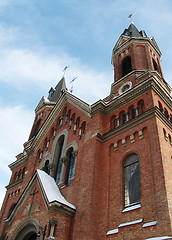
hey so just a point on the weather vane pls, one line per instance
(130, 16)
(64, 70)
(71, 89)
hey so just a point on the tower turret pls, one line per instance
(134, 56)
(135, 52)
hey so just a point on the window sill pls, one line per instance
(130, 208)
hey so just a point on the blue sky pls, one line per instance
(38, 38)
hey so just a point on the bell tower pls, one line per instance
(134, 55)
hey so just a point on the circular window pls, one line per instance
(125, 87)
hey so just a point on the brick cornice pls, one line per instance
(150, 83)
(153, 112)
(18, 163)
(81, 105)
(14, 184)
(129, 40)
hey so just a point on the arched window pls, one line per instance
(20, 174)
(166, 113)
(23, 172)
(64, 111)
(46, 167)
(131, 180)
(160, 106)
(155, 65)
(122, 116)
(132, 112)
(36, 129)
(59, 162)
(113, 122)
(126, 65)
(70, 165)
(141, 106)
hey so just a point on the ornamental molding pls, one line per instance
(129, 40)
(66, 97)
(18, 163)
(150, 83)
(153, 112)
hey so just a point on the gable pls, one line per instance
(44, 186)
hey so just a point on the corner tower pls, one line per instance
(134, 55)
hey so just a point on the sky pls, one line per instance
(38, 38)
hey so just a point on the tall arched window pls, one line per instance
(70, 165)
(131, 180)
(59, 162)
(126, 65)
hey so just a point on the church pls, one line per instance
(100, 171)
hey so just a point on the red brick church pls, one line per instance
(100, 171)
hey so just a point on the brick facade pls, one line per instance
(135, 119)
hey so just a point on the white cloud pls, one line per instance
(22, 67)
(15, 122)
(15, 125)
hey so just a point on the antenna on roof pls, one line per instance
(130, 16)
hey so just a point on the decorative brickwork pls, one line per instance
(102, 171)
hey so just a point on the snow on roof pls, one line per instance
(51, 189)
(112, 231)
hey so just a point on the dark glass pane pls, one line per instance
(123, 118)
(59, 164)
(133, 113)
(132, 180)
(71, 167)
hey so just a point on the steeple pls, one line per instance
(132, 31)
(135, 53)
(54, 94)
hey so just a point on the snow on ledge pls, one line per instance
(51, 189)
(112, 231)
(149, 224)
(46, 100)
(130, 223)
(127, 209)
(159, 238)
